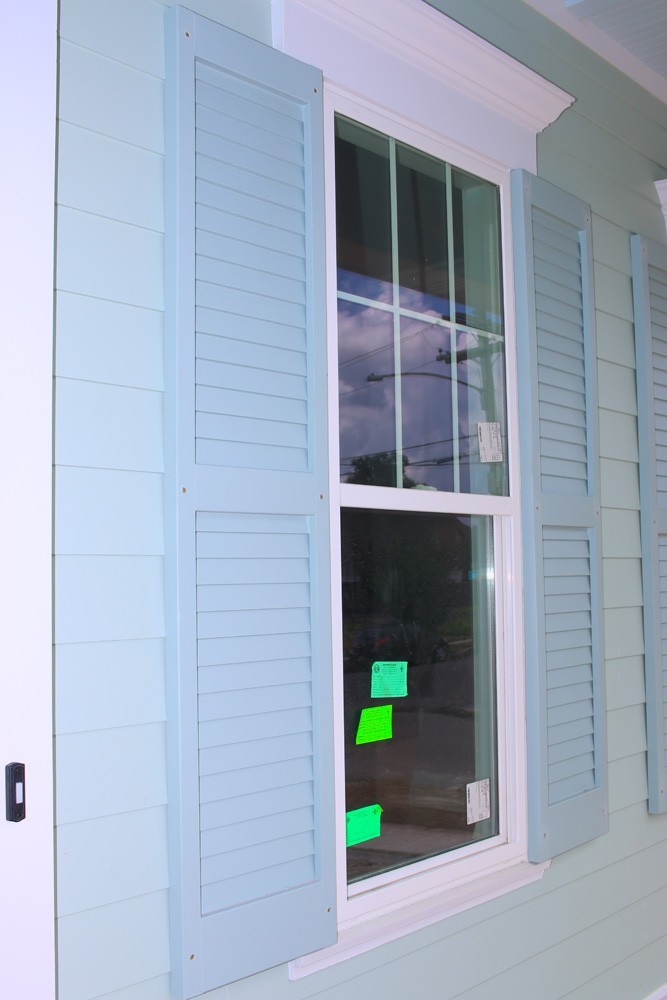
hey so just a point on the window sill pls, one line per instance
(362, 937)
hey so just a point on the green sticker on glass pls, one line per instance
(374, 724)
(389, 679)
(362, 824)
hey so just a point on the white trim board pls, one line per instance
(477, 96)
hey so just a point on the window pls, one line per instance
(421, 407)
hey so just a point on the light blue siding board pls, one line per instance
(617, 388)
(627, 731)
(124, 30)
(110, 771)
(618, 436)
(109, 597)
(108, 427)
(110, 178)
(103, 341)
(620, 534)
(109, 260)
(112, 947)
(622, 583)
(105, 96)
(108, 512)
(106, 860)
(93, 681)
(158, 988)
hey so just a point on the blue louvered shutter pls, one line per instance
(250, 742)
(567, 785)
(649, 282)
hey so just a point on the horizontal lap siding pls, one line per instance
(109, 525)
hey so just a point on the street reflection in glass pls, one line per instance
(417, 590)
(421, 347)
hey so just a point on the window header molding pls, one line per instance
(338, 34)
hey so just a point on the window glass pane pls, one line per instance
(363, 211)
(367, 410)
(422, 232)
(477, 252)
(419, 681)
(422, 381)
(428, 438)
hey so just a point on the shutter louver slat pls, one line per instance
(253, 813)
(558, 405)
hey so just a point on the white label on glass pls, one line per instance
(478, 798)
(490, 442)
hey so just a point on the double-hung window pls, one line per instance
(422, 456)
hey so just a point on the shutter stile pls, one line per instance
(567, 794)
(251, 779)
(649, 282)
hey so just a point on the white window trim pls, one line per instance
(480, 112)
(661, 188)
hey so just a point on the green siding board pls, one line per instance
(616, 385)
(566, 966)
(613, 292)
(616, 342)
(625, 682)
(618, 435)
(620, 483)
(631, 208)
(626, 729)
(622, 583)
(620, 534)
(627, 782)
(623, 631)
(638, 977)
(610, 244)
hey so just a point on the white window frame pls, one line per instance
(479, 111)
